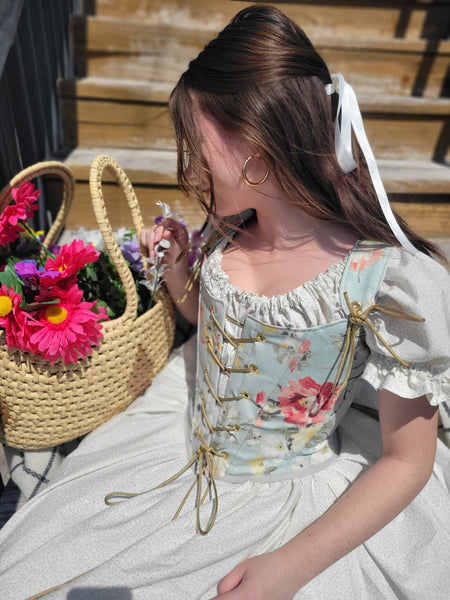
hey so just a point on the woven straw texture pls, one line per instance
(43, 405)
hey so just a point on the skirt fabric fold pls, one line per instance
(135, 550)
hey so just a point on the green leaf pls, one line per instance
(38, 305)
(10, 278)
(128, 237)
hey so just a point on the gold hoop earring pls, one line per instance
(246, 179)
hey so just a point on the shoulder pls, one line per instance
(412, 286)
(398, 267)
(398, 282)
(416, 278)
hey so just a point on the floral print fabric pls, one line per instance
(265, 397)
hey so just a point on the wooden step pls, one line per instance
(416, 178)
(143, 167)
(393, 18)
(407, 128)
(130, 49)
(398, 67)
(134, 114)
(153, 175)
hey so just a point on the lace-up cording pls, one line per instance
(356, 319)
(204, 455)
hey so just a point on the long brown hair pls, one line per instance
(262, 79)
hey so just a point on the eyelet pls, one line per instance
(253, 368)
(237, 427)
(260, 337)
(245, 395)
(225, 455)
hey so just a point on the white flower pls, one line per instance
(231, 413)
(89, 236)
(273, 446)
(157, 268)
(165, 209)
(163, 244)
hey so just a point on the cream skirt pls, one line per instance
(134, 550)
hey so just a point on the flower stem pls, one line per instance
(158, 264)
(155, 285)
(36, 238)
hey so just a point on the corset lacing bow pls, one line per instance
(204, 454)
(356, 319)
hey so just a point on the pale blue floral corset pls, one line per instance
(271, 409)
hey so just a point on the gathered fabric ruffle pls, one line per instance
(421, 380)
(311, 304)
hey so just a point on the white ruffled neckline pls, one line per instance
(312, 303)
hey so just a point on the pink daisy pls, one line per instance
(25, 198)
(26, 195)
(13, 319)
(10, 223)
(71, 258)
(67, 329)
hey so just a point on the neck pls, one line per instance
(282, 226)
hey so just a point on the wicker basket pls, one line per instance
(45, 404)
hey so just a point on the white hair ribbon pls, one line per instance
(349, 116)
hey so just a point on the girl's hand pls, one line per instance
(265, 577)
(176, 234)
(177, 273)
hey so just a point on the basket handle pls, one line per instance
(36, 170)
(100, 163)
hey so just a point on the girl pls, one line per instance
(310, 300)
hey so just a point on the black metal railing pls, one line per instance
(35, 52)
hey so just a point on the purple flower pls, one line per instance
(195, 252)
(29, 272)
(54, 248)
(132, 254)
(27, 268)
(160, 220)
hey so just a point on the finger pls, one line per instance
(146, 239)
(150, 238)
(179, 231)
(236, 594)
(232, 580)
(158, 233)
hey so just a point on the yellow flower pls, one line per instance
(55, 314)
(5, 305)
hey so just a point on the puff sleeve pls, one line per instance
(420, 286)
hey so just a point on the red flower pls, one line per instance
(10, 223)
(25, 205)
(13, 319)
(65, 264)
(303, 402)
(67, 329)
(26, 196)
(261, 397)
(306, 344)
